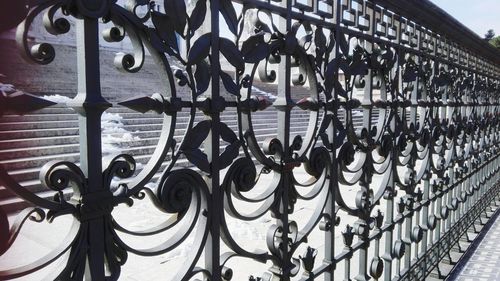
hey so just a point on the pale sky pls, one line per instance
(478, 15)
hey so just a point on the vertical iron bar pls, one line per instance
(391, 188)
(284, 105)
(90, 105)
(212, 250)
(366, 180)
(330, 209)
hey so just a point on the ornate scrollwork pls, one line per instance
(174, 192)
(392, 121)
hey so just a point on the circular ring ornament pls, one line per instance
(376, 267)
(399, 249)
(93, 8)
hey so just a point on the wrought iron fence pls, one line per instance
(421, 170)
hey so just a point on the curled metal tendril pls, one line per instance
(58, 176)
(8, 234)
(175, 190)
(114, 34)
(318, 160)
(42, 53)
(273, 146)
(127, 23)
(242, 174)
(121, 166)
(266, 75)
(55, 26)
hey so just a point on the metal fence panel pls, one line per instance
(422, 167)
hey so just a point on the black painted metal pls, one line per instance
(424, 170)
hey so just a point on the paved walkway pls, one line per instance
(484, 263)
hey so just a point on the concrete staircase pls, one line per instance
(28, 142)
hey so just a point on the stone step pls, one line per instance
(32, 153)
(27, 174)
(69, 114)
(33, 185)
(54, 113)
(13, 203)
(32, 162)
(42, 141)
(14, 123)
(31, 144)
(13, 130)
(25, 169)
(10, 203)
(10, 122)
(19, 162)
(63, 140)
(54, 110)
(30, 134)
(24, 126)
(19, 153)
(61, 109)
(29, 178)
(36, 130)
(37, 118)
(38, 125)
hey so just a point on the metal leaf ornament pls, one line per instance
(191, 146)
(198, 15)
(228, 12)
(176, 10)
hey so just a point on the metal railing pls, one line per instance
(397, 194)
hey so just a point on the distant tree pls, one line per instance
(495, 42)
(489, 35)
